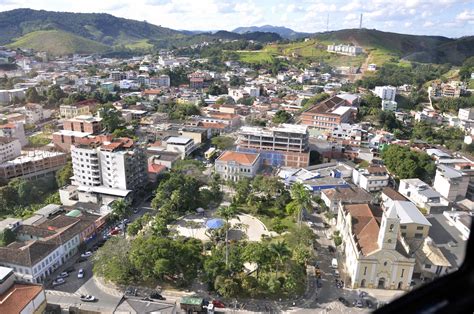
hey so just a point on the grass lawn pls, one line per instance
(255, 57)
(140, 45)
(471, 84)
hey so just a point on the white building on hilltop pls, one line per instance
(452, 184)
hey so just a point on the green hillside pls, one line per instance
(58, 43)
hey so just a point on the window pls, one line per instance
(404, 234)
(427, 266)
(403, 271)
(418, 235)
(365, 270)
(384, 263)
(391, 227)
(419, 228)
(403, 227)
(389, 241)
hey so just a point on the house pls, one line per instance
(180, 144)
(14, 130)
(422, 195)
(431, 263)
(231, 165)
(371, 179)
(452, 184)
(352, 195)
(328, 114)
(10, 148)
(413, 224)
(373, 253)
(20, 297)
(386, 92)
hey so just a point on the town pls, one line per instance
(173, 182)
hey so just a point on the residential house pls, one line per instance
(372, 178)
(422, 195)
(231, 165)
(452, 184)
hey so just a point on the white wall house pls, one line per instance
(10, 148)
(374, 178)
(422, 195)
(180, 144)
(452, 184)
(237, 165)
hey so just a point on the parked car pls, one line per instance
(70, 269)
(64, 274)
(86, 254)
(157, 296)
(58, 281)
(334, 263)
(131, 291)
(114, 231)
(80, 273)
(135, 210)
(331, 249)
(358, 303)
(218, 304)
(125, 221)
(88, 298)
(344, 301)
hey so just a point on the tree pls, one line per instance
(227, 213)
(111, 118)
(302, 199)
(32, 95)
(281, 252)
(236, 81)
(63, 176)
(55, 94)
(258, 253)
(223, 142)
(306, 103)
(120, 209)
(281, 116)
(7, 236)
(112, 261)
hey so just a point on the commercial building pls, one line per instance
(328, 114)
(284, 145)
(181, 145)
(371, 179)
(452, 184)
(234, 166)
(20, 297)
(106, 169)
(374, 255)
(10, 148)
(32, 165)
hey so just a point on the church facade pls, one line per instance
(374, 254)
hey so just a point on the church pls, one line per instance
(373, 251)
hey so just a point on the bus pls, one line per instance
(210, 153)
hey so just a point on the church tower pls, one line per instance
(389, 227)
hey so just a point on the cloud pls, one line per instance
(428, 24)
(466, 16)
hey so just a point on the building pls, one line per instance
(350, 134)
(431, 263)
(451, 89)
(163, 81)
(33, 165)
(75, 130)
(14, 130)
(413, 224)
(35, 113)
(389, 105)
(20, 297)
(349, 50)
(466, 114)
(10, 148)
(371, 179)
(234, 166)
(386, 92)
(284, 145)
(422, 195)
(328, 114)
(9, 95)
(452, 184)
(82, 108)
(106, 169)
(374, 255)
(352, 195)
(181, 145)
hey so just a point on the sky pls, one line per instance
(451, 18)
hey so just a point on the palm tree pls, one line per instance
(227, 213)
(302, 199)
(280, 249)
(120, 208)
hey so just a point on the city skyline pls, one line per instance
(451, 18)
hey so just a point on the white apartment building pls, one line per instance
(108, 170)
(389, 105)
(466, 114)
(422, 195)
(163, 81)
(180, 144)
(14, 130)
(372, 179)
(35, 113)
(452, 184)
(345, 49)
(386, 92)
(237, 165)
(10, 148)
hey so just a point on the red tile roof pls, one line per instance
(239, 157)
(365, 226)
(17, 297)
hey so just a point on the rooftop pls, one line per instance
(409, 213)
(365, 226)
(178, 140)
(247, 159)
(15, 299)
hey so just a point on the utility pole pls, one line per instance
(360, 22)
(327, 23)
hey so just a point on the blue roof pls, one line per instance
(215, 223)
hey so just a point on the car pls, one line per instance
(64, 274)
(334, 263)
(344, 301)
(80, 273)
(452, 244)
(218, 304)
(331, 249)
(326, 225)
(363, 294)
(70, 269)
(157, 296)
(369, 303)
(125, 221)
(81, 260)
(86, 254)
(88, 298)
(131, 291)
(310, 223)
(135, 210)
(358, 303)
(114, 231)
(58, 281)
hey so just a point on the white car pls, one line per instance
(86, 254)
(58, 281)
(88, 298)
(80, 273)
(63, 274)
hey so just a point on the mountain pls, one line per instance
(284, 32)
(434, 49)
